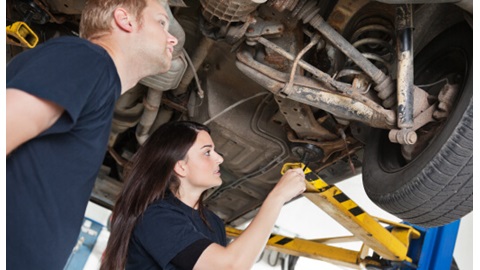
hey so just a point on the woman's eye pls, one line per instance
(207, 153)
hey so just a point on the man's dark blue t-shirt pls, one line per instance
(169, 228)
(50, 178)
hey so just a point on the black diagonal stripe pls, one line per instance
(311, 176)
(284, 241)
(356, 211)
(341, 197)
(271, 235)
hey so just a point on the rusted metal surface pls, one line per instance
(343, 12)
(300, 118)
(314, 94)
(446, 98)
(384, 84)
(328, 147)
(228, 11)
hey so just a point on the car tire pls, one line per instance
(435, 187)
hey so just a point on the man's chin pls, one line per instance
(164, 67)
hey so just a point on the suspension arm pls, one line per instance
(307, 91)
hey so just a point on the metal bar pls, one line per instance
(404, 27)
(307, 248)
(322, 76)
(434, 250)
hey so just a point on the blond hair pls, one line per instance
(98, 14)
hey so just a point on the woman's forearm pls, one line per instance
(248, 246)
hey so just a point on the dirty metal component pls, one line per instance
(404, 25)
(305, 10)
(261, 28)
(446, 97)
(128, 110)
(257, 164)
(343, 12)
(307, 152)
(318, 73)
(32, 11)
(345, 153)
(330, 82)
(288, 87)
(197, 59)
(151, 106)
(228, 11)
(405, 136)
(300, 117)
(327, 147)
(50, 16)
(374, 38)
(317, 95)
(341, 106)
(226, 16)
(171, 78)
(423, 113)
(435, 112)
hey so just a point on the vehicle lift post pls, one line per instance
(396, 246)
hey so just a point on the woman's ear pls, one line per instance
(123, 19)
(180, 168)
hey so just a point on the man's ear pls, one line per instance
(123, 19)
(180, 168)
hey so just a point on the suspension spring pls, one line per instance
(374, 38)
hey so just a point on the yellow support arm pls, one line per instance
(307, 248)
(390, 245)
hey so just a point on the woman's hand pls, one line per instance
(290, 185)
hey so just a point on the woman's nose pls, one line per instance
(219, 158)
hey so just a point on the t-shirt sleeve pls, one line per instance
(164, 233)
(61, 72)
(187, 258)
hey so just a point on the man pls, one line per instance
(59, 106)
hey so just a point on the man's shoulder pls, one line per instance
(73, 43)
(68, 39)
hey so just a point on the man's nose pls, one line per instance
(172, 39)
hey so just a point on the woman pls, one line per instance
(159, 221)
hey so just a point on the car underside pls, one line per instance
(382, 88)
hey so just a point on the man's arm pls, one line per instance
(27, 116)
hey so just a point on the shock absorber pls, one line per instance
(305, 10)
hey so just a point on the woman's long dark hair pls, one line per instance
(150, 176)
